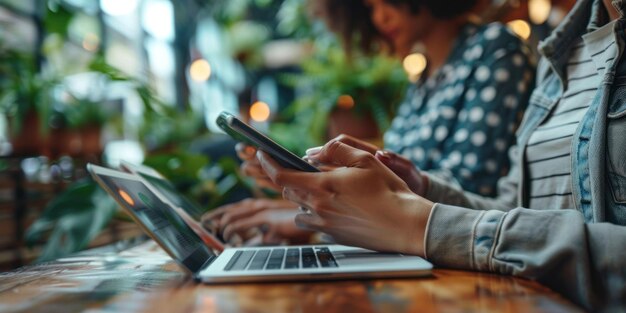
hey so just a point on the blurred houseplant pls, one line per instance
(79, 214)
(25, 98)
(334, 93)
(41, 122)
(25, 85)
(47, 116)
(337, 93)
(83, 210)
(356, 96)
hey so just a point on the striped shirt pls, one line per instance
(548, 152)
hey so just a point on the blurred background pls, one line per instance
(143, 80)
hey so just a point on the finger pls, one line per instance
(271, 237)
(356, 143)
(252, 206)
(309, 221)
(240, 211)
(286, 177)
(215, 215)
(251, 233)
(339, 153)
(313, 151)
(282, 204)
(214, 218)
(320, 166)
(404, 169)
(255, 241)
(298, 196)
(244, 151)
(252, 168)
(328, 167)
(268, 184)
(242, 227)
(394, 162)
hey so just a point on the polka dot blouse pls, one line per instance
(459, 122)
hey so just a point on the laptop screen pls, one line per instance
(173, 195)
(159, 219)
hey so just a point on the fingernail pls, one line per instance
(312, 160)
(250, 149)
(314, 150)
(383, 155)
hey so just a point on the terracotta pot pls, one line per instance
(91, 137)
(349, 122)
(80, 142)
(30, 140)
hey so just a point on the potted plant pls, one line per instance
(356, 96)
(78, 126)
(25, 98)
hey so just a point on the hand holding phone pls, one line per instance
(242, 132)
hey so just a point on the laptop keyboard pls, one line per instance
(281, 258)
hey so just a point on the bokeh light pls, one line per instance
(259, 111)
(345, 102)
(520, 27)
(157, 19)
(414, 64)
(200, 70)
(539, 11)
(119, 7)
(91, 42)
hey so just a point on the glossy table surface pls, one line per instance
(145, 279)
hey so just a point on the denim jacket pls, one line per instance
(579, 252)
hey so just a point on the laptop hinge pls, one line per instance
(206, 263)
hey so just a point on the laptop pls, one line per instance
(165, 187)
(250, 264)
(188, 210)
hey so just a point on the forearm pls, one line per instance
(585, 262)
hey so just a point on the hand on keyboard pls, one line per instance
(244, 221)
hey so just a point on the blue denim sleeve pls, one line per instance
(585, 262)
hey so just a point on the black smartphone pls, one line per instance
(243, 132)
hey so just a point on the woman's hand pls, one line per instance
(361, 202)
(273, 219)
(400, 165)
(251, 167)
(348, 140)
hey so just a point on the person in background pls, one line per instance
(458, 119)
(560, 217)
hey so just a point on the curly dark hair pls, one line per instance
(351, 20)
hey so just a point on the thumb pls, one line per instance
(338, 153)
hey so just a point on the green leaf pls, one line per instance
(100, 65)
(57, 19)
(74, 218)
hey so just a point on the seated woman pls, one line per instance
(560, 217)
(457, 121)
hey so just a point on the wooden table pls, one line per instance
(145, 279)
